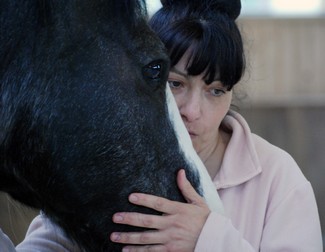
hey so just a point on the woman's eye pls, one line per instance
(217, 92)
(174, 84)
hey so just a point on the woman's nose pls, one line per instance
(190, 109)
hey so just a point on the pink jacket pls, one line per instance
(270, 206)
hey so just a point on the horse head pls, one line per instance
(83, 114)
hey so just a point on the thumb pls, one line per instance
(188, 191)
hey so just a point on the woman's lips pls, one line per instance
(192, 134)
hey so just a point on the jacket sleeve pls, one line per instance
(5, 243)
(292, 226)
(218, 234)
(44, 236)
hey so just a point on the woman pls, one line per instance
(269, 204)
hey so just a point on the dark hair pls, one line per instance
(211, 35)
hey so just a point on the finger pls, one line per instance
(187, 189)
(138, 238)
(154, 202)
(140, 220)
(148, 248)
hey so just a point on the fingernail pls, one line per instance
(125, 250)
(117, 218)
(115, 237)
(133, 198)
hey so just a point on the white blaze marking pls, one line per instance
(209, 191)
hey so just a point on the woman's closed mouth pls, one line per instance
(192, 134)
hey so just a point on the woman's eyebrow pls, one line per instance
(176, 71)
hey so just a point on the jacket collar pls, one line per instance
(240, 162)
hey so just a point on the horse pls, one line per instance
(86, 116)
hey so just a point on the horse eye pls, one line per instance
(152, 71)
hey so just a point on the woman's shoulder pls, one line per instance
(264, 151)
(274, 162)
(269, 152)
(253, 158)
(277, 165)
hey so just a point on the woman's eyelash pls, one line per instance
(217, 91)
(174, 84)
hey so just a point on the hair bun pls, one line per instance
(230, 7)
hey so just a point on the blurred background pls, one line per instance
(282, 95)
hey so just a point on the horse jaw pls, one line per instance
(209, 191)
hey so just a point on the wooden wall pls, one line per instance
(286, 60)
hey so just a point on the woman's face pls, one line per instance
(201, 106)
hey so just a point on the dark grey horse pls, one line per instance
(83, 114)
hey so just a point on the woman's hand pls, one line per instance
(176, 230)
